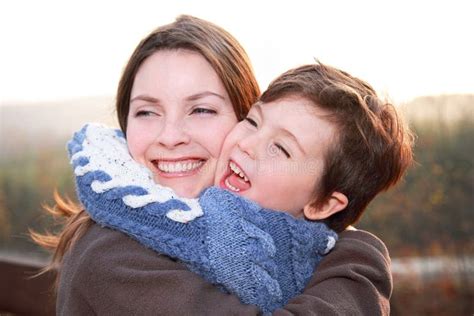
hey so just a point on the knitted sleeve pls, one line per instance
(230, 241)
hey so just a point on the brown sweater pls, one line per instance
(108, 273)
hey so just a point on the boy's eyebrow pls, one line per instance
(293, 137)
(284, 130)
(259, 109)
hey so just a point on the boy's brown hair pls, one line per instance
(373, 147)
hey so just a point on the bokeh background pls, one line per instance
(61, 61)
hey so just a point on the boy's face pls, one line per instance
(276, 155)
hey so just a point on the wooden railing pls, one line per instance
(23, 293)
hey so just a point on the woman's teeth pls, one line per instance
(170, 167)
(238, 171)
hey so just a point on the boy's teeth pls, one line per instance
(179, 166)
(230, 186)
(238, 171)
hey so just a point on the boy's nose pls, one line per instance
(249, 145)
(173, 134)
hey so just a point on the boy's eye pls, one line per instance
(283, 150)
(251, 121)
(203, 111)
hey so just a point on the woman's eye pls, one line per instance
(251, 121)
(283, 150)
(203, 111)
(144, 113)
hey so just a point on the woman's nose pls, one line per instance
(173, 134)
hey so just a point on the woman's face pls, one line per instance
(179, 115)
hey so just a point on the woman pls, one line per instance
(105, 272)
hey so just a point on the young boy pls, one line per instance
(318, 145)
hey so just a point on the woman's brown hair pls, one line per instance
(218, 47)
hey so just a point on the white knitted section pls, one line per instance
(108, 152)
(331, 243)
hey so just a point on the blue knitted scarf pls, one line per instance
(264, 257)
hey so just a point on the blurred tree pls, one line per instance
(431, 211)
(4, 218)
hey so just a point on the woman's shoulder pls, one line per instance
(107, 272)
(105, 247)
(97, 238)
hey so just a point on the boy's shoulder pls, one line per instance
(353, 279)
(361, 256)
(366, 241)
(358, 252)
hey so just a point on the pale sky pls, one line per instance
(53, 50)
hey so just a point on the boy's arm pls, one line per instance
(353, 279)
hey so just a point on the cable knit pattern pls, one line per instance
(263, 256)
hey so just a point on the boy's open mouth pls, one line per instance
(235, 179)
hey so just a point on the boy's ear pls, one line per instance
(336, 202)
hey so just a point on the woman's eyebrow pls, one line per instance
(145, 97)
(193, 97)
(204, 94)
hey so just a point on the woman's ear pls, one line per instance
(336, 203)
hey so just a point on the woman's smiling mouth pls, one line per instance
(178, 168)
